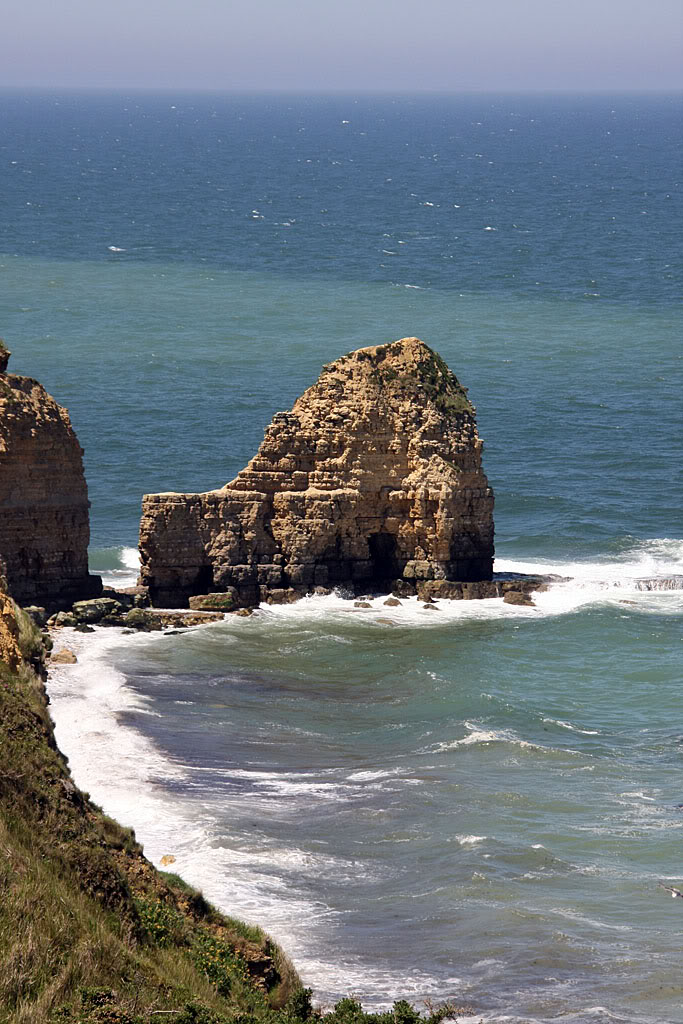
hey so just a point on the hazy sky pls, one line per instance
(348, 45)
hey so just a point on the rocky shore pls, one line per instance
(90, 931)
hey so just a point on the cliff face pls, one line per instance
(374, 475)
(44, 529)
(10, 652)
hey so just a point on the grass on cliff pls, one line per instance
(91, 933)
(431, 379)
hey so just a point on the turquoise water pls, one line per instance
(475, 803)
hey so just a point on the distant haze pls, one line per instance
(345, 45)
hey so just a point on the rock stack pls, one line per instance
(374, 478)
(44, 527)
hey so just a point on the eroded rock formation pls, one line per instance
(44, 528)
(374, 475)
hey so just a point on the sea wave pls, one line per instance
(118, 566)
(651, 558)
(478, 736)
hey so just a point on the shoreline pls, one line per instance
(276, 621)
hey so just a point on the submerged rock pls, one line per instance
(374, 477)
(44, 528)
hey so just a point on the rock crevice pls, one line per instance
(374, 475)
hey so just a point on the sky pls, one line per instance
(345, 45)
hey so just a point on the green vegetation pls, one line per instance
(91, 933)
(429, 379)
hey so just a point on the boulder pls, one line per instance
(63, 657)
(140, 619)
(226, 601)
(139, 596)
(63, 619)
(122, 598)
(517, 597)
(374, 476)
(403, 588)
(96, 609)
(429, 589)
(278, 596)
(39, 615)
(480, 591)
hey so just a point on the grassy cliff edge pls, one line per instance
(90, 931)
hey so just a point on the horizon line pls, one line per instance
(327, 92)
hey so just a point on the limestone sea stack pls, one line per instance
(374, 477)
(44, 525)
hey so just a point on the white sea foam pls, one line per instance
(411, 612)
(367, 776)
(252, 879)
(634, 579)
(581, 584)
(573, 915)
(481, 737)
(655, 557)
(112, 761)
(573, 728)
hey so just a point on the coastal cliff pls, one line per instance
(374, 476)
(90, 932)
(44, 525)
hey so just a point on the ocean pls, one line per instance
(475, 804)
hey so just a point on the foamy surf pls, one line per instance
(648, 576)
(480, 737)
(118, 566)
(144, 788)
(657, 557)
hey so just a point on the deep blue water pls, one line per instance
(477, 807)
(581, 195)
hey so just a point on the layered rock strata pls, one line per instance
(44, 526)
(375, 475)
